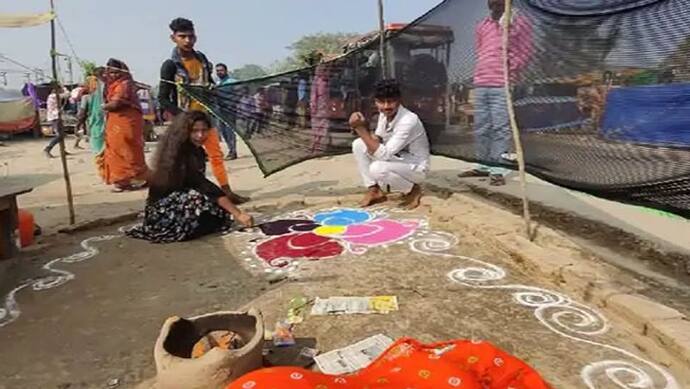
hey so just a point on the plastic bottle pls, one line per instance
(26, 228)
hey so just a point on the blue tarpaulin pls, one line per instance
(656, 115)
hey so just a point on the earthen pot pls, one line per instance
(218, 367)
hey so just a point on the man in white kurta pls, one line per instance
(397, 154)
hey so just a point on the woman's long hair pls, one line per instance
(168, 170)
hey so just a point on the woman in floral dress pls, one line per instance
(182, 203)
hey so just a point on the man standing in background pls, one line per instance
(53, 107)
(227, 131)
(491, 121)
(302, 100)
(191, 67)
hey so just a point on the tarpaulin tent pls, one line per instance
(25, 20)
(657, 115)
(17, 112)
(30, 20)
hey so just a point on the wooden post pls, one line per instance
(382, 42)
(507, 16)
(56, 89)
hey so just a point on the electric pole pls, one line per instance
(382, 41)
(57, 88)
(69, 69)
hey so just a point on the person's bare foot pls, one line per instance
(412, 199)
(373, 196)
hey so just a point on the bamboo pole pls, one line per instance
(507, 16)
(382, 41)
(56, 89)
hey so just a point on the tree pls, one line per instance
(309, 50)
(248, 72)
(88, 68)
(327, 44)
(284, 65)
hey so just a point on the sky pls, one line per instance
(235, 32)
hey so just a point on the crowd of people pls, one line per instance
(183, 204)
(110, 114)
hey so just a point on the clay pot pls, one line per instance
(218, 367)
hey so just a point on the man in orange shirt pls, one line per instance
(191, 67)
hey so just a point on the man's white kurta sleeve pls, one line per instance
(403, 134)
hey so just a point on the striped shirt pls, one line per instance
(489, 48)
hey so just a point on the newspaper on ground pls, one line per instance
(354, 305)
(353, 357)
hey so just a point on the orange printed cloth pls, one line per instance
(195, 70)
(410, 364)
(123, 158)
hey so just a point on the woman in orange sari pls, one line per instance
(124, 164)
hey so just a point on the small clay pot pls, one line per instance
(216, 368)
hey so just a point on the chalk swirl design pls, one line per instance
(9, 310)
(557, 312)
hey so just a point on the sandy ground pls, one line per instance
(101, 325)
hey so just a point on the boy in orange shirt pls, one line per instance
(191, 67)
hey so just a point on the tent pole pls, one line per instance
(382, 42)
(56, 89)
(507, 16)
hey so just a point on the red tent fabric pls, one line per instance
(17, 115)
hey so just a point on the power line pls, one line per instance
(37, 72)
(13, 71)
(69, 42)
(8, 59)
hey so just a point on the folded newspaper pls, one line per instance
(354, 305)
(353, 357)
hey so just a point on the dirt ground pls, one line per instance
(452, 276)
(101, 325)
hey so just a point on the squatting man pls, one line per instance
(396, 154)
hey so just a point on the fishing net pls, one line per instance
(601, 94)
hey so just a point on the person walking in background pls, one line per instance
(53, 106)
(318, 106)
(227, 131)
(96, 116)
(75, 96)
(80, 130)
(491, 121)
(261, 108)
(246, 110)
(91, 116)
(302, 100)
(191, 67)
(124, 164)
(289, 102)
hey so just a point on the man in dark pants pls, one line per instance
(227, 131)
(53, 106)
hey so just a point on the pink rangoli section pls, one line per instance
(329, 234)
